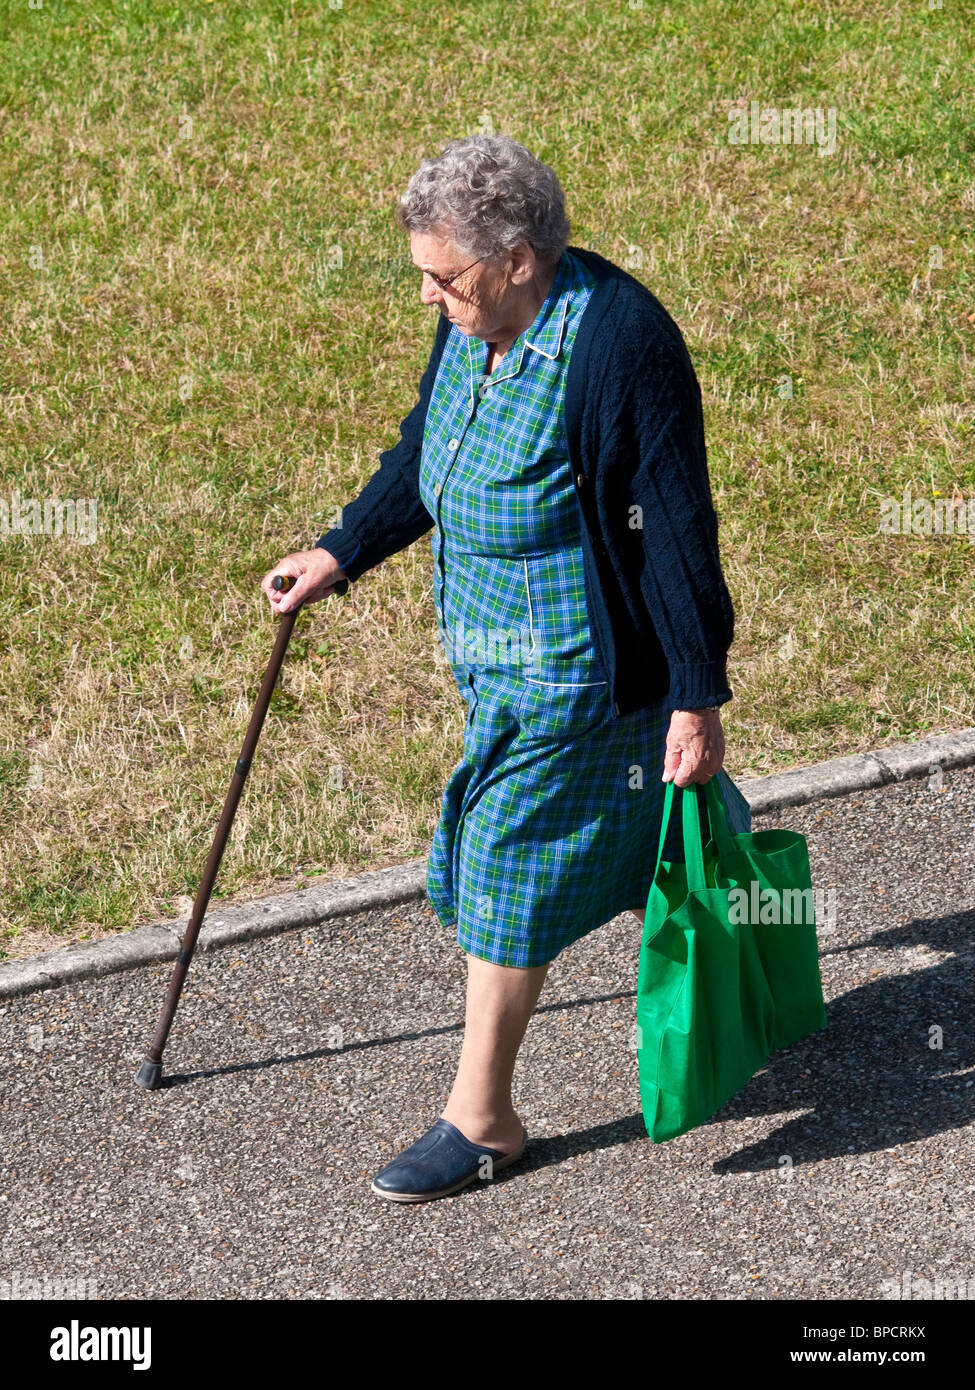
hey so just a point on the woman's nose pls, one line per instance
(430, 291)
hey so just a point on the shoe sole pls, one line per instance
(499, 1163)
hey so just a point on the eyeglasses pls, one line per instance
(445, 283)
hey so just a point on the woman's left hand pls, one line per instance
(695, 747)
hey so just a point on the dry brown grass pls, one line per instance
(131, 664)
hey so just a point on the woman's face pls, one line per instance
(479, 302)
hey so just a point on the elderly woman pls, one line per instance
(557, 451)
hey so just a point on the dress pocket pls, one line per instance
(555, 595)
(556, 713)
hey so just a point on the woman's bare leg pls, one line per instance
(500, 1001)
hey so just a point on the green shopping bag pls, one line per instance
(729, 965)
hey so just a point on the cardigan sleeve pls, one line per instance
(388, 514)
(681, 578)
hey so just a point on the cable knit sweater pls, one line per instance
(658, 605)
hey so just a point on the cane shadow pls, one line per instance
(875, 1078)
(367, 1044)
(870, 1080)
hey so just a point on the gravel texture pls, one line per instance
(301, 1063)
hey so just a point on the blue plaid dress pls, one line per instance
(549, 824)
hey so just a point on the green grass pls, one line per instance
(184, 343)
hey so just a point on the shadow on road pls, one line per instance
(870, 1080)
(183, 1078)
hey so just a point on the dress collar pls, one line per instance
(545, 335)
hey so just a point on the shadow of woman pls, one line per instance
(885, 1070)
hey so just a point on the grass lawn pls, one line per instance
(212, 327)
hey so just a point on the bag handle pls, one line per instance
(664, 822)
(718, 819)
(693, 840)
(693, 830)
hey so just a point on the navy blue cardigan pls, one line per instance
(658, 605)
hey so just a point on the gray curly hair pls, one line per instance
(487, 193)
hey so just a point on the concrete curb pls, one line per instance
(860, 772)
(309, 907)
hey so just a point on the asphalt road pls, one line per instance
(300, 1064)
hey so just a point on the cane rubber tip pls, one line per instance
(148, 1075)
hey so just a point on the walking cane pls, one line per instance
(150, 1071)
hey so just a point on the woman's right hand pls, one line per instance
(317, 573)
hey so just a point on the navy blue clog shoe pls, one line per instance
(441, 1162)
